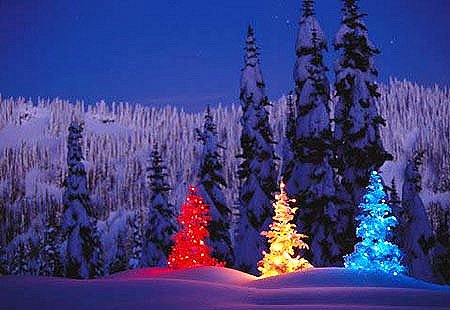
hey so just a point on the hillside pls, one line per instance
(118, 138)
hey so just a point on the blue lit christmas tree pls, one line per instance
(376, 224)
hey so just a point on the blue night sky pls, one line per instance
(189, 53)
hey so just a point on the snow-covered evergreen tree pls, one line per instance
(417, 236)
(52, 263)
(77, 210)
(311, 181)
(210, 185)
(258, 170)
(359, 148)
(161, 217)
(137, 241)
(441, 259)
(120, 261)
(97, 268)
(289, 139)
(4, 263)
(20, 262)
(396, 204)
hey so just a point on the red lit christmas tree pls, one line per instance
(190, 249)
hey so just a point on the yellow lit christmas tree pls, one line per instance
(283, 240)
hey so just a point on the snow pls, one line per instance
(221, 288)
(417, 118)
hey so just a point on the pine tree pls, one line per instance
(97, 267)
(311, 181)
(359, 148)
(120, 262)
(190, 248)
(441, 259)
(161, 217)
(137, 242)
(53, 265)
(397, 210)
(284, 241)
(4, 263)
(374, 251)
(77, 210)
(417, 238)
(20, 262)
(257, 172)
(211, 182)
(289, 139)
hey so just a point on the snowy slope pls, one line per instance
(220, 288)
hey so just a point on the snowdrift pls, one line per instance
(221, 288)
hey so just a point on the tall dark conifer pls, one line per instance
(311, 180)
(161, 218)
(258, 170)
(211, 183)
(77, 220)
(359, 148)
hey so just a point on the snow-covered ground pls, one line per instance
(221, 288)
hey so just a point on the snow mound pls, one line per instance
(341, 277)
(222, 288)
(201, 274)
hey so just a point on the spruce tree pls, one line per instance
(417, 236)
(97, 269)
(441, 259)
(120, 261)
(53, 265)
(359, 148)
(20, 262)
(311, 180)
(211, 183)
(284, 240)
(289, 139)
(137, 240)
(376, 222)
(190, 248)
(77, 223)
(161, 217)
(257, 172)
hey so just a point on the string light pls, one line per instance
(283, 240)
(190, 250)
(374, 252)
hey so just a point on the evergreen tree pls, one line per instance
(53, 265)
(289, 139)
(211, 182)
(359, 148)
(77, 210)
(397, 210)
(4, 264)
(417, 238)
(190, 248)
(120, 261)
(283, 240)
(311, 181)
(97, 268)
(257, 172)
(20, 262)
(374, 251)
(137, 241)
(441, 260)
(161, 218)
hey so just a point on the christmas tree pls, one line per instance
(190, 249)
(283, 240)
(376, 224)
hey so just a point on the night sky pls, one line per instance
(189, 53)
